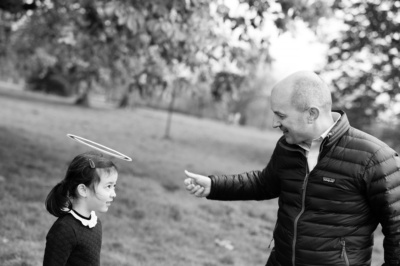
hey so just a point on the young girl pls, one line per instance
(75, 237)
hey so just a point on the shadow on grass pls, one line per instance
(52, 100)
(25, 166)
(19, 151)
(29, 96)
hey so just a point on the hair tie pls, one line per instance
(92, 165)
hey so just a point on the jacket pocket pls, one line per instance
(343, 253)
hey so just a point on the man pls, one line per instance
(334, 183)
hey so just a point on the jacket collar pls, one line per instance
(341, 126)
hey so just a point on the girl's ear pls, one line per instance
(82, 190)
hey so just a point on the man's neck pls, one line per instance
(324, 128)
(324, 124)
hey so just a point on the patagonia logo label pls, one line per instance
(328, 180)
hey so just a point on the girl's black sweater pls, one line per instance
(70, 243)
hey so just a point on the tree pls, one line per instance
(138, 43)
(133, 40)
(364, 60)
(10, 12)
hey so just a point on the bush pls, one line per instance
(51, 83)
(390, 135)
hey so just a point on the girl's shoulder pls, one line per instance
(65, 219)
(64, 226)
(69, 222)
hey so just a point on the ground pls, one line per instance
(153, 220)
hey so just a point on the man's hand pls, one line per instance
(198, 185)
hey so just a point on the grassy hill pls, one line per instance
(153, 220)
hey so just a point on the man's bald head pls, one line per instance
(305, 89)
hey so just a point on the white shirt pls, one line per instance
(312, 152)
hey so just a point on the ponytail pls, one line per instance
(82, 170)
(57, 202)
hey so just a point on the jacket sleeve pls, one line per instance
(253, 185)
(60, 241)
(383, 182)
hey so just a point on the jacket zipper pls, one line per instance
(343, 254)
(303, 196)
(303, 199)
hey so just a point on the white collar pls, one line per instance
(306, 146)
(90, 223)
(336, 117)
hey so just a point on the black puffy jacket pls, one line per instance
(327, 216)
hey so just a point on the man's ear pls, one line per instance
(313, 114)
(82, 190)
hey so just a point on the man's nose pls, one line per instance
(276, 123)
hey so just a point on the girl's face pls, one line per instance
(104, 192)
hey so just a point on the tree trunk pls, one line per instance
(125, 100)
(83, 99)
(170, 113)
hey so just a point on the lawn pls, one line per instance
(153, 220)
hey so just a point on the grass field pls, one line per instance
(153, 220)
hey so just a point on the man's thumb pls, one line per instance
(191, 175)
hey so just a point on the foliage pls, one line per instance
(365, 59)
(17, 6)
(142, 45)
(284, 12)
(225, 82)
(388, 132)
(137, 43)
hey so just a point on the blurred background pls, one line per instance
(176, 84)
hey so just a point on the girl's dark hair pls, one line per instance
(82, 170)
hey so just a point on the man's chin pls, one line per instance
(290, 140)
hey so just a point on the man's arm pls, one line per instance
(383, 180)
(254, 185)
